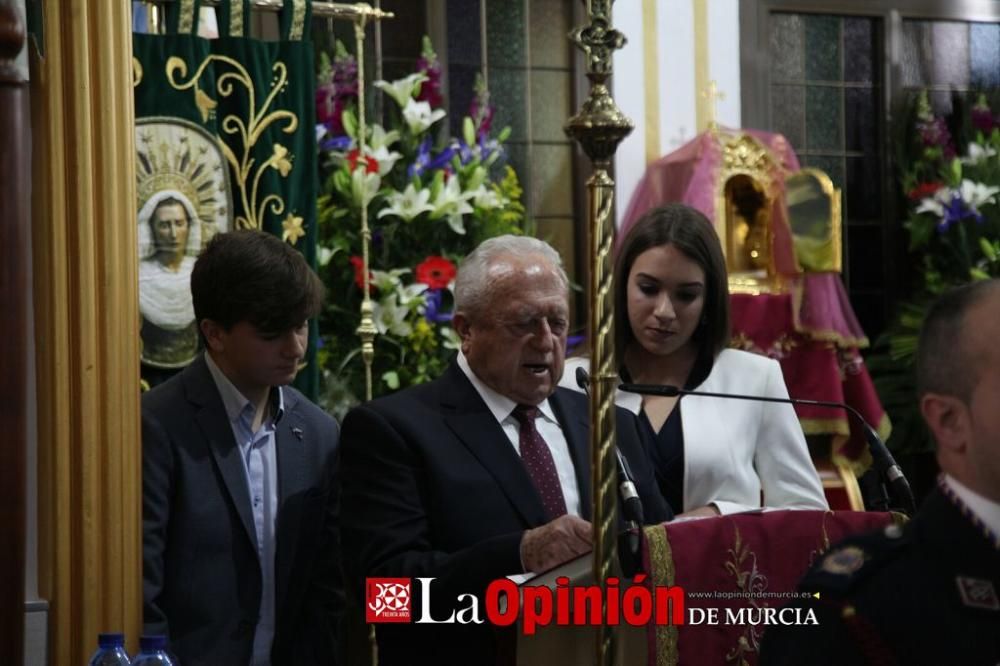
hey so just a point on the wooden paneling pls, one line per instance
(14, 158)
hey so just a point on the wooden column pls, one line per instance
(86, 326)
(14, 239)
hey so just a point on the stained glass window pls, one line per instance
(825, 98)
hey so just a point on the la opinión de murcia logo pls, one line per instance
(388, 600)
(636, 602)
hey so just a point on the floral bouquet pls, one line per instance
(950, 172)
(430, 198)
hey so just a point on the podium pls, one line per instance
(738, 564)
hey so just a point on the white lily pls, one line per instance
(412, 296)
(380, 138)
(451, 338)
(936, 204)
(386, 158)
(402, 90)
(364, 186)
(387, 282)
(978, 153)
(324, 255)
(977, 194)
(487, 199)
(451, 202)
(419, 116)
(408, 204)
(390, 317)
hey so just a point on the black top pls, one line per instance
(667, 456)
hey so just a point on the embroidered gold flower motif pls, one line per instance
(204, 103)
(280, 160)
(292, 229)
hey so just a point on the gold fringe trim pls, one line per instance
(662, 571)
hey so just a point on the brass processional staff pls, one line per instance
(599, 127)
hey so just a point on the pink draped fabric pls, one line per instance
(690, 175)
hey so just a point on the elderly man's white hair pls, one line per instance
(473, 285)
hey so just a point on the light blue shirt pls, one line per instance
(258, 450)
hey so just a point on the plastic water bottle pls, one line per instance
(153, 652)
(110, 651)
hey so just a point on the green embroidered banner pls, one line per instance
(224, 135)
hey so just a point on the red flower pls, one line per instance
(435, 272)
(359, 273)
(923, 190)
(355, 156)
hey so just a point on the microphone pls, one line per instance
(627, 492)
(882, 460)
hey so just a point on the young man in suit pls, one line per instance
(485, 471)
(240, 543)
(928, 593)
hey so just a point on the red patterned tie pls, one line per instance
(538, 461)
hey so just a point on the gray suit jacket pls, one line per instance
(201, 573)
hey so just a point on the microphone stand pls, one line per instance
(882, 460)
(630, 541)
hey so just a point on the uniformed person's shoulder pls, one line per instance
(858, 560)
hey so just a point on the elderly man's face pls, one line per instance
(517, 344)
(170, 232)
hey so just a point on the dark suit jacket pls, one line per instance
(433, 488)
(896, 597)
(201, 573)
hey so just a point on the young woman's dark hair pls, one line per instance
(690, 232)
(255, 277)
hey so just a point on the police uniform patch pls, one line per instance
(843, 561)
(977, 593)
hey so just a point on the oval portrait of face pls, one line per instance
(184, 198)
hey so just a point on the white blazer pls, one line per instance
(735, 449)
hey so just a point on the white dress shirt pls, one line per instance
(258, 450)
(548, 427)
(985, 509)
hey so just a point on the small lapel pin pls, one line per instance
(977, 593)
(298, 433)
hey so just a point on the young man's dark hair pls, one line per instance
(255, 277)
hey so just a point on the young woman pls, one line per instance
(712, 455)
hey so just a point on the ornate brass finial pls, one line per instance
(713, 95)
(600, 125)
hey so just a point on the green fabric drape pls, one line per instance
(255, 101)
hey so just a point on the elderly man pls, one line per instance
(941, 573)
(483, 472)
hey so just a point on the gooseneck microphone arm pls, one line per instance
(883, 461)
(631, 503)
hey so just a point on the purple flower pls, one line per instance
(432, 307)
(934, 133)
(956, 211)
(424, 162)
(481, 111)
(337, 89)
(982, 116)
(337, 143)
(427, 63)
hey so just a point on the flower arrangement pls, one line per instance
(950, 172)
(431, 198)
